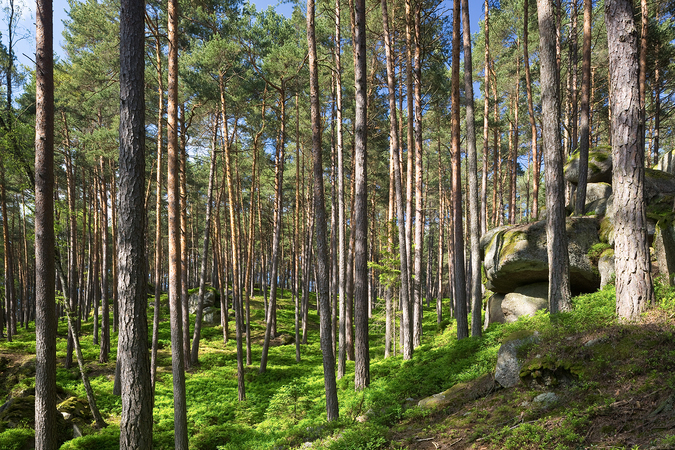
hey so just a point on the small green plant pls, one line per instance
(289, 402)
(15, 438)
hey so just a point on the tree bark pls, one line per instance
(419, 196)
(634, 289)
(530, 110)
(105, 305)
(584, 120)
(486, 112)
(558, 260)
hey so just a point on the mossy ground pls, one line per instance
(622, 394)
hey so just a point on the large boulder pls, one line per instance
(515, 256)
(606, 268)
(599, 166)
(659, 193)
(509, 364)
(493, 312)
(460, 394)
(525, 301)
(193, 300)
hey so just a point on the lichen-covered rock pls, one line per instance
(76, 407)
(525, 301)
(507, 373)
(20, 412)
(599, 166)
(460, 393)
(515, 256)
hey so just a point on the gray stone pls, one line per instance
(460, 394)
(211, 316)
(664, 248)
(667, 162)
(599, 166)
(507, 373)
(193, 300)
(493, 311)
(606, 268)
(547, 398)
(596, 199)
(516, 256)
(525, 301)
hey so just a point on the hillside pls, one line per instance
(617, 392)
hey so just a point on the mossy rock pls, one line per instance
(460, 394)
(547, 371)
(76, 407)
(599, 166)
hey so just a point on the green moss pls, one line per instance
(16, 439)
(596, 251)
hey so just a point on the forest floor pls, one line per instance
(614, 383)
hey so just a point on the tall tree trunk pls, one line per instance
(419, 196)
(173, 201)
(9, 270)
(45, 302)
(475, 293)
(320, 211)
(460, 283)
(394, 145)
(410, 152)
(360, 228)
(441, 229)
(584, 122)
(513, 175)
(558, 260)
(644, 15)
(136, 420)
(634, 289)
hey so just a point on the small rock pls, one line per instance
(592, 342)
(547, 398)
(507, 373)
(76, 431)
(66, 415)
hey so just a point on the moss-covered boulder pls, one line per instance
(599, 166)
(664, 248)
(19, 412)
(493, 312)
(76, 409)
(515, 256)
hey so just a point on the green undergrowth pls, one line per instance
(285, 406)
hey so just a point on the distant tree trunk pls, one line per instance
(360, 228)
(530, 110)
(584, 121)
(320, 212)
(182, 183)
(276, 239)
(173, 201)
(9, 271)
(441, 237)
(486, 112)
(136, 420)
(297, 257)
(410, 165)
(574, 50)
(634, 289)
(105, 319)
(460, 283)
(158, 215)
(475, 293)
(45, 303)
(558, 260)
(513, 175)
(394, 145)
(194, 354)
